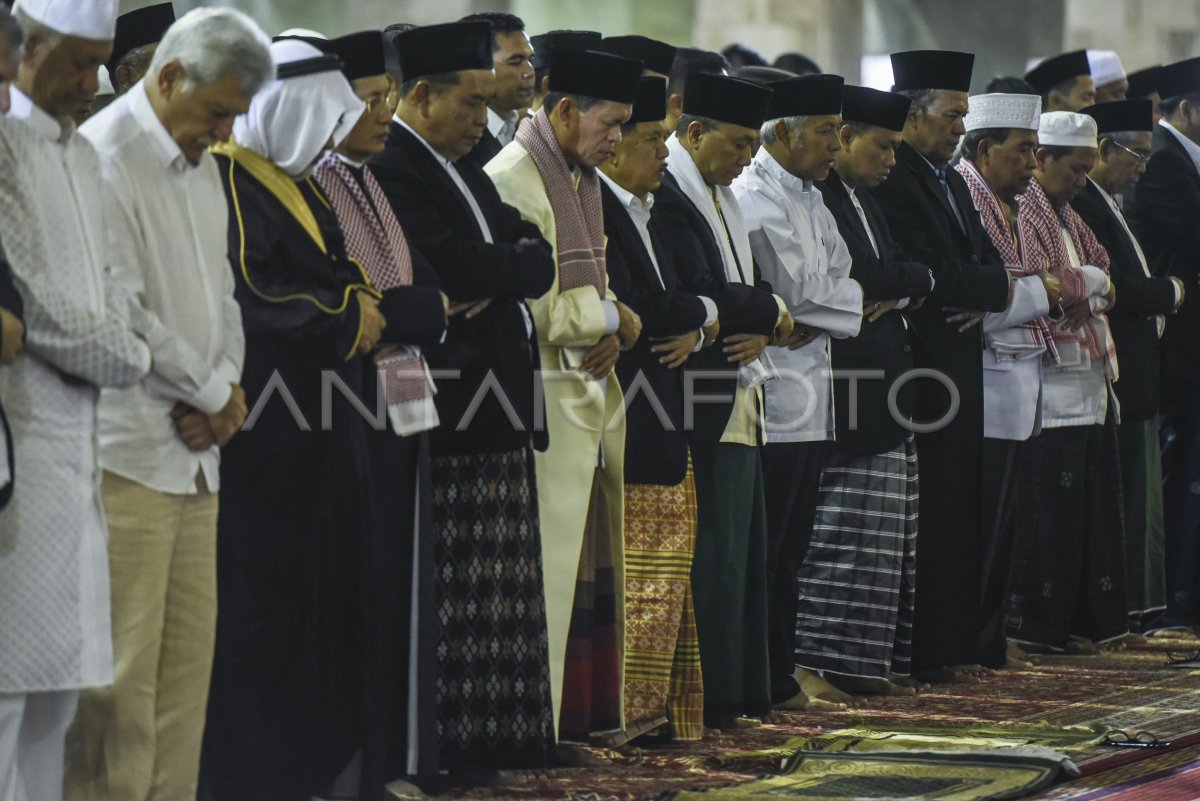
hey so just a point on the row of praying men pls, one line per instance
(557, 391)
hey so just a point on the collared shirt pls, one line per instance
(503, 128)
(800, 251)
(170, 228)
(456, 177)
(639, 212)
(1193, 149)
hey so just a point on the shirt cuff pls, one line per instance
(902, 303)
(612, 320)
(710, 310)
(1177, 285)
(783, 309)
(214, 395)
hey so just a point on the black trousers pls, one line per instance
(1000, 457)
(791, 478)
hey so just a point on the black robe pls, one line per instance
(883, 344)
(286, 709)
(1140, 298)
(656, 448)
(443, 229)
(969, 274)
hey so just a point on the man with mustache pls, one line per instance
(549, 174)
(997, 165)
(488, 260)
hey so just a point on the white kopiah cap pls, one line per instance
(1106, 67)
(1004, 111)
(1067, 129)
(88, 19)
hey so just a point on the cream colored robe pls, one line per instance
(579, 420)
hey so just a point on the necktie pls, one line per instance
(508, 130)
(941, 176)
(728, 238)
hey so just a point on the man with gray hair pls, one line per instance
(160, 439)
(796, 245)
(54, 596)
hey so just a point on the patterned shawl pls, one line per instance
(578, 215)
(1037, 332)
(376, 242)
(1044, 249)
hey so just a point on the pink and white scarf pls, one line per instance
(375, 240)
(1044, 249)
(578, 213)
(1038, 332)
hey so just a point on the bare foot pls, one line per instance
(978, 671)
(1018, 657)
(818, 689)
(860, 685)
(909, 681)
(578, 756)
(1081, 647)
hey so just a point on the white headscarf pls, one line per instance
(291, 120)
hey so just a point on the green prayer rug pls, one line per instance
(912, 776)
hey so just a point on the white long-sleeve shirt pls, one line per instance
(169, 226)
(799, 250)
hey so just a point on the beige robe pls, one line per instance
(579, 419)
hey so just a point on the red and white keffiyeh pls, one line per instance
(1044, 249)
(1039, 332)
(375, 240)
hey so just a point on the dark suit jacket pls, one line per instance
(484, 151)
(1163, 210)
(441, 226)
(656, 450)
(967, 271)
(743, 309)
(883, 344)
(1139, 300)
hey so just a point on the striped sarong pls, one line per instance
(663, 681)
(857, 582)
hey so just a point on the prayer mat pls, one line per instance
(951, 737)
(979, 776)
(1173, 776)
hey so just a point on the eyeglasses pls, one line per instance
(375, 102)
(1119, 738)
(1142, 158)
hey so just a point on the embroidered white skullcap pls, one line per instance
(303, 33)
(106, 87)
(1067, 129)
(1106, 67)
(999, 110)
(88, 19)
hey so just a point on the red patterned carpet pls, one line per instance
(1129, 690)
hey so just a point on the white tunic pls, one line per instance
(55, 631)
(170, 225)
(1012, 369)
(799, 250)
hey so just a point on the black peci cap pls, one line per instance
(655, 56)
(1180, 78)
(1143, 83)
(580, 40)
(725, 99)
(439, 49)
(1122, 115)
(1056, 69)
(932, 69)
(139, 28)
(873, 107)
(590, 73)
(361, 54)
(650, 105)
(805, 95)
